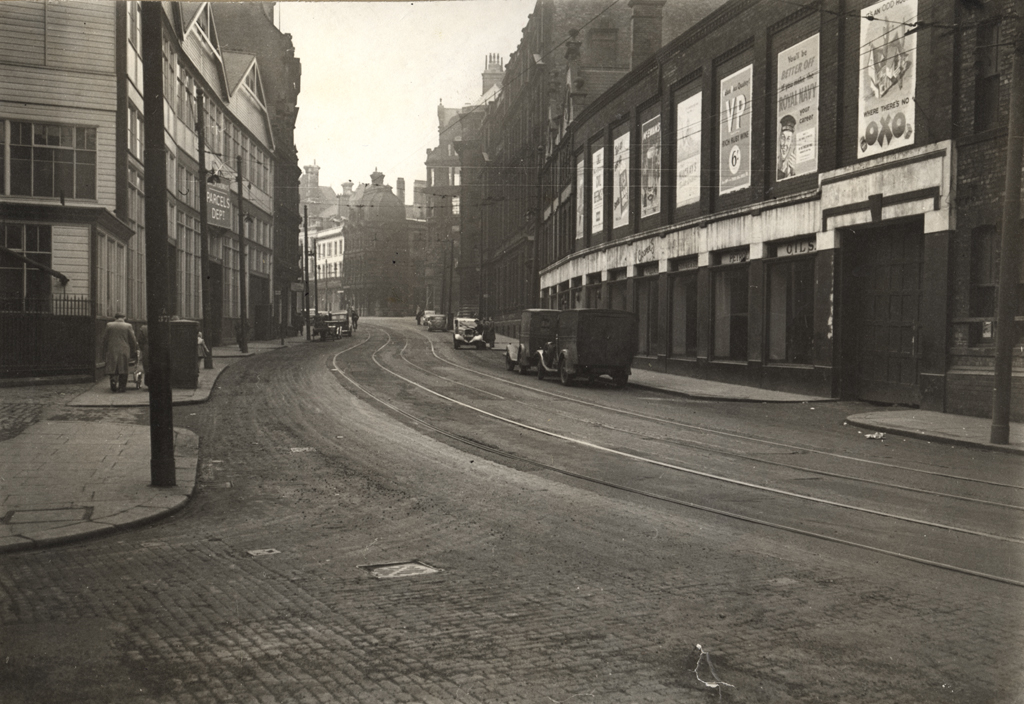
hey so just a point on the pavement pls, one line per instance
(65, 480)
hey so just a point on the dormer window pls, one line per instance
(252, 84)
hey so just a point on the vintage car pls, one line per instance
(331, 326)
(536, 329)
(591, 342)
(467, 331)
(436, 322)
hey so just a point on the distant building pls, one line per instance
(377, 276)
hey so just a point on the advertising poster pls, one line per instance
(597, 190)
(620, 182)
(796, 150)
(688, 133)
(581, 199)
(650, 167)
(735, 132)
(888, 77)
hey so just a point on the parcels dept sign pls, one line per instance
(218, 206)
(888, 77)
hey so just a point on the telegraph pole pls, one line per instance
(1009, 254)
(316, 290)
(204, 232)
(161, 420)
(243, 274)
(305, 263)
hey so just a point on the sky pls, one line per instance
(373, 73)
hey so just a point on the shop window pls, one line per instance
(592, 292)
(986, 76)
(23, 287)
(791, 310)
(52, 161)
(730, 306)
(617, 289)
(683, 287)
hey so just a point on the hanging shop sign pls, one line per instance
(735, 133)
(888, 77)
(218, 206)
(796, 150)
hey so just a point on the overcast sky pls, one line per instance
(373, 73)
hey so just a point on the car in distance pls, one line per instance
(466, 331)
(436, 322)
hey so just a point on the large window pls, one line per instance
(791, 310)
(22, 286)
(683, 286)
(730, 291)
(52, 161)
(986, 76)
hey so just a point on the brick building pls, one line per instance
(797, 198)
(601, 41)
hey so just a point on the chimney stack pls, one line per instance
(645, 30)
(400, 189)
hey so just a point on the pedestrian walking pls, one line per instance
(419, 315)
(355, 320)
(201, 349)
(119, 345)
(489, 332)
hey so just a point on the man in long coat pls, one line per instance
(119, 346)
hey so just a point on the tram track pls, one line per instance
(435, 427)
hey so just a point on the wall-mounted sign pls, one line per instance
(888, 77)
(796, 144)
(218, 206)
(620, 181)
(650, 167)
(734, 121)
(688, 132)
(792, 249)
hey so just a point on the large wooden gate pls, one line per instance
(881, 314)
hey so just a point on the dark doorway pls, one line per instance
(881, 299)
(216, 284)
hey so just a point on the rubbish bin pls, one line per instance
(181, 339)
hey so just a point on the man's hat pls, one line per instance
(788, 122)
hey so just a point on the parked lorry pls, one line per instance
(591, 342)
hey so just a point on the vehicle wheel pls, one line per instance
(509, 364)
(563, 373)
(619, 378)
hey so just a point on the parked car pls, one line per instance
(437, 322)
(467, 331)
(536, 329)
(591, 342)
(331, 326)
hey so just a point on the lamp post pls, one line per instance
(243, 275)
(204, 233)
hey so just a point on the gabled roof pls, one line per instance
(236, 67)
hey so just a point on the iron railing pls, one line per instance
(72, 306)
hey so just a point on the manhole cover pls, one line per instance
(400, 569)
(264, 551)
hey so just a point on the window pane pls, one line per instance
(42, 172)
(14, 236)
(21, 171)
(64, 176)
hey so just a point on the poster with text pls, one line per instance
(888, 77)
(796, 144)
(688, 133)
(581, 199)
(597, 190)
(650, 167)
(735, 131)
(620, 182)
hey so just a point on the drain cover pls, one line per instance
(400, 569)
(262, 552)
